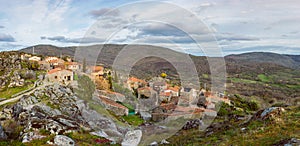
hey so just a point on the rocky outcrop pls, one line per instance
(288, 142)
(271, 112)
(56, 110)
(132, 138)
(27, 137)
(13, 70)
(195, 123)
(61, 140)
(2, 134)
(52, 109)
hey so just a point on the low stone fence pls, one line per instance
(28, 90)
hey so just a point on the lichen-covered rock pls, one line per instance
(61, 140)
(2, 134)
(271, 112)
(31, 136)
(195, 123)
(132, 138)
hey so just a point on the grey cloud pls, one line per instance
(6, 38)
(9, 46)
(155, 29)
(2, 26)
(235, 37)
(63, 39)
(268, 28)
(294, 32)
(108, 22)
(106, 11)
(178, 40)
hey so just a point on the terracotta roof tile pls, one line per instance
(57, 70)
(97, 68)
(144, 88)
(133, 79)
(54, 70)
(71, 63)
(111, 102)
(175, 89)
(165, 94)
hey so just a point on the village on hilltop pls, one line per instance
(157, 99)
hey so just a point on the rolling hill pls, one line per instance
(256, 62)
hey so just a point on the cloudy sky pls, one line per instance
(236, 26)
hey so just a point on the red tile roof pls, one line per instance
(111, 102)
(115, 93)
(97, 68)
(57, 70)
(165, 94)
(175, 89)
(71, 63)
(133, 79)
(144, 88)
(54, 70)
(168, 106)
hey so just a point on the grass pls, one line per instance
(267, 132)
(206, 76)
(134, 120)
(75, 77)
(129, 106)
(7, 93)
(294, 86)
(264, 78)
(239, 80)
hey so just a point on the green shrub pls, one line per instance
(44, 132)
(224, 109)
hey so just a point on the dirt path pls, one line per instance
(18, 97)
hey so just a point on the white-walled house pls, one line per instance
(35, 58)
(49, 59)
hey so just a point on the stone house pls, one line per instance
(113, 106)
(165, 96)
(145, 92)
(174, 91)
(189, 96)
(44, 65)
(186, 91)
(59, 63)
(112, 95)
(159, 86)
(135, 83)
(74, 66)
(96, 71)
(60, 75)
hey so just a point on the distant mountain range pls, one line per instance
(290, 61)
(255, 62)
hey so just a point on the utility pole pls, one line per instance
(33, 50)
